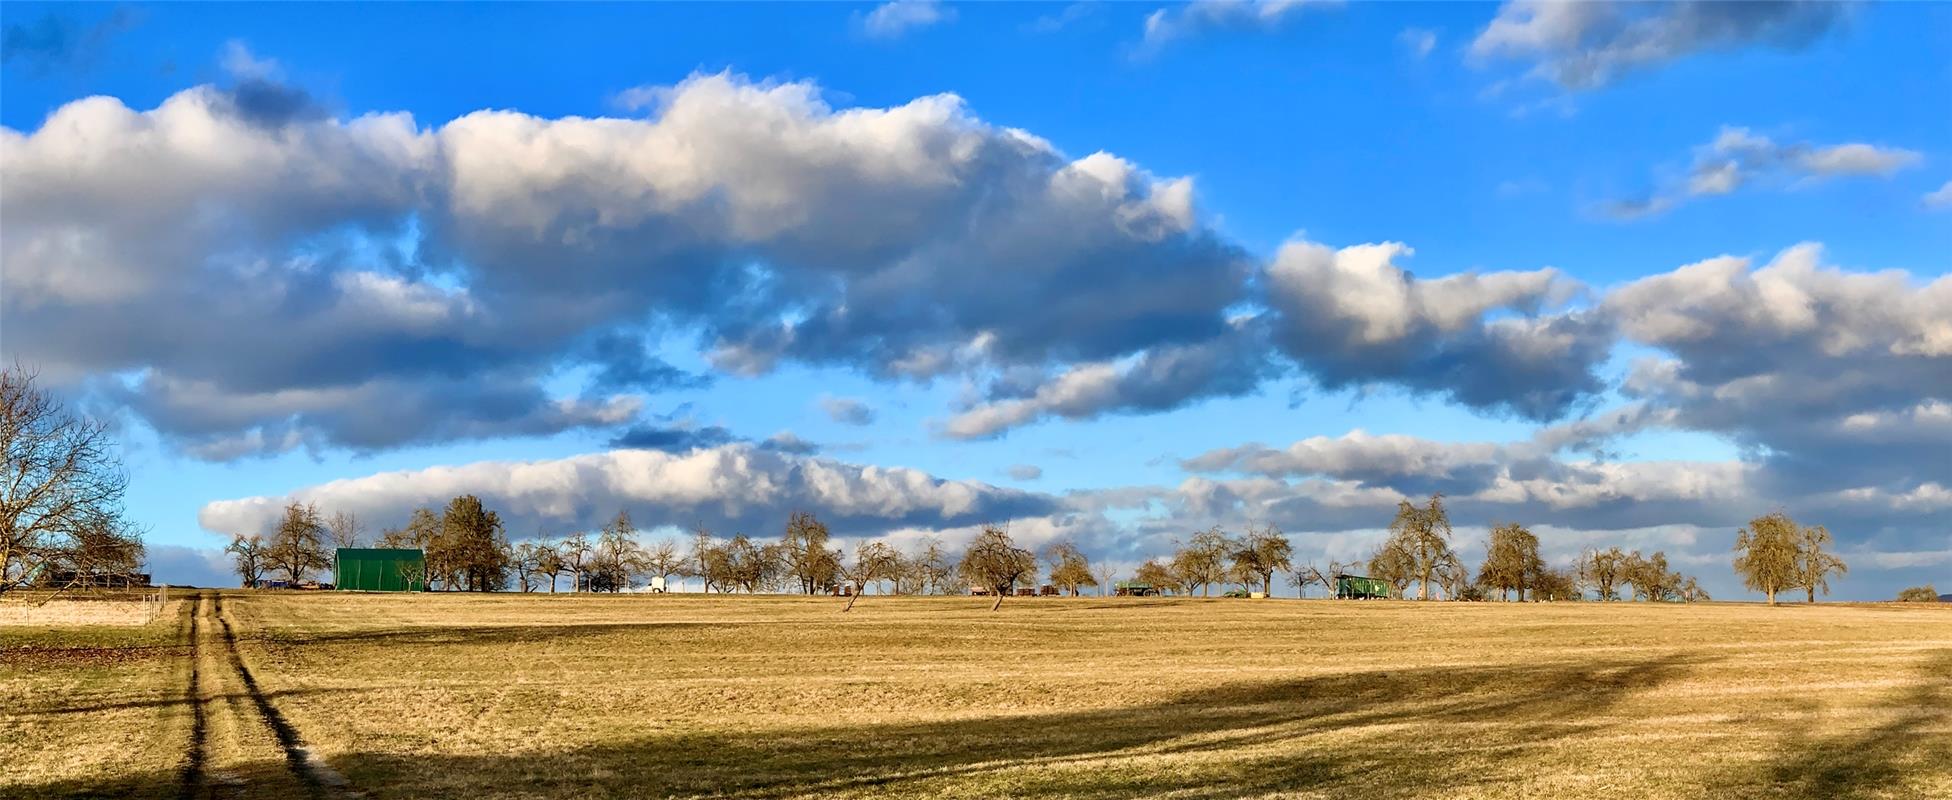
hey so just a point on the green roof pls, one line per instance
(380, 553)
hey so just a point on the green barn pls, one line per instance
(1357, 587)
(374, 569)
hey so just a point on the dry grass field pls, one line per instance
(324, 695)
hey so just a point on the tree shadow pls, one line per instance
(1237, 739)
(1876, 762)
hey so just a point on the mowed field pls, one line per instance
(335, 695)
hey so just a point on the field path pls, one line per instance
(317, 778)
(235, 728)
(192, 783)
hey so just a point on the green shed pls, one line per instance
(1357, 587)
(376, 569)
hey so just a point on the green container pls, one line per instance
(373, 569)
(1357, 587)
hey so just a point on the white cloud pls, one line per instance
(1189, 19)
(238, 60)
(1939, 198)
(140, 242)
(1420, 42)
(729, 487)
(1584, 45)
(897, 18)
(1739, 157)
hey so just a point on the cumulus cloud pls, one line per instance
(904, 242)
(1940, 197)
(1353, 317)
(847, 410)
(1160, 379)
(732, 487)
(1739, 157)
(894, 19)
(1820, 370)
(1190, 19)
(1581, 45)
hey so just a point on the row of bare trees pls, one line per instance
(61, 515)
(1211, 557)
(465, 549)
(1418, 552)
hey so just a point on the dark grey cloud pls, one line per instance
(847, 410)
(1582, 45)
(57, 42)
(625, 364)
(674, 439)
(1353, 317)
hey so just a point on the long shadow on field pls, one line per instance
(1103, 753)
(1877, 762)
(1228, 741)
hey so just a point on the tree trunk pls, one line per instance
(999, 601)
(1812, 591)
(850, 602)
(1772, 597)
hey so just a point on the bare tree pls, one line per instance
(807, 558)
(1768, 548)
(663, 560)
(345, 529)
(1264, 552)
(1202, 561)
(249, 555)
(526, 558)
(1158, 575)
(1511, 561)
(932, 567)
(298, 543)
(1422, 533)
(1602, 571)
(1813, 565)
(873, 562)
(1310, 574)
(62, 484)
(994, 561)
(1070, 570)
(548, 561)
(574, 552)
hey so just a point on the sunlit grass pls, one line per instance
(636, 696)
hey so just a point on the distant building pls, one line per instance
(1358, 587)
(379, 569)
(93, 579)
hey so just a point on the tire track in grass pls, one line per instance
(191, 781)
(319, 780)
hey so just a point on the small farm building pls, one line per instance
(1357, 587)
(375, 569)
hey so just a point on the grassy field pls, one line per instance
(644, 696)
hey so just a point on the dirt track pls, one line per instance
(216, 663)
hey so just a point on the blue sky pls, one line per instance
(1341, 125)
